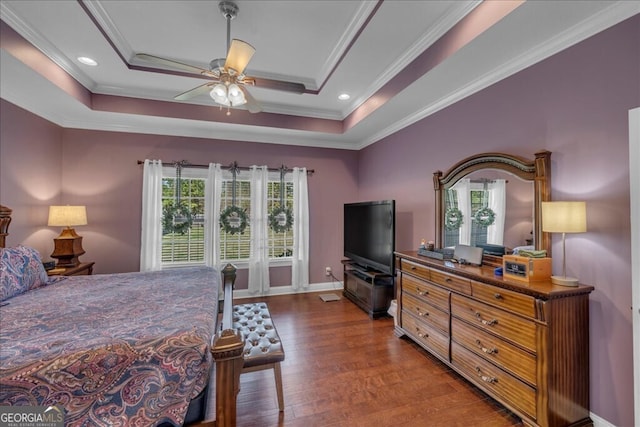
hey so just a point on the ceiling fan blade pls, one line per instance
(239, 55)
(252, 105)
(191, 93)
(279, 85)
(172, 64)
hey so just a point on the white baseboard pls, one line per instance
(600, 422)
(286, 290)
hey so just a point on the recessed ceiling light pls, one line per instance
(87, 61)
(344, 96)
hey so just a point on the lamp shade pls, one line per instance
(564, 217)
(67, 216)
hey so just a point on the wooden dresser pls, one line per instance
(524, 344)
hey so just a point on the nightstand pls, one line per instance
(82, 269)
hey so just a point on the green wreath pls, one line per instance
(453, 219)
(233, 220)
(176, 218)
(485, 216)
(281, 219)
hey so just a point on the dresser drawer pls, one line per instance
(429, 337)
(451, 281)
(417, 269)
(514, 328)
(504, 298)
(505, 386)
(427, 313)
(427, 292)
(509, 357)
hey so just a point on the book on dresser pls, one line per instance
(524, 344)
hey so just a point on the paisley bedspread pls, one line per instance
(119, 349)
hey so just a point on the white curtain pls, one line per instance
(497, 203)
(463, 191)
(300, 261)
(151, 238)
(259, 252)
(212, 194)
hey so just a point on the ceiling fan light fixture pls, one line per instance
(219, 94)
(236, 95)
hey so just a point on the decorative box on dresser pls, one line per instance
(524, 344)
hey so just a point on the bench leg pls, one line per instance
(277, 373)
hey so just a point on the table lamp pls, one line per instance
(564, 217)
(68, 245)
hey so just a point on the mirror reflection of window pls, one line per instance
(481, 204)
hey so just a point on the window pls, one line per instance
(181, 242)
(187, 246)
(280, 244)
(478, 232)
(235, 247)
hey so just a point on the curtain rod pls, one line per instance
(186, 164)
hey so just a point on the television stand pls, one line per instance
(370, 290)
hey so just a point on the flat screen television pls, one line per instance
(369, 234)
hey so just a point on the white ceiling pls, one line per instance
(330, 46)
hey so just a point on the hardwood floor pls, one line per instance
(343, 369)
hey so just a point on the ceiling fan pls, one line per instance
(228, 81)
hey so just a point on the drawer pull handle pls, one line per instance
(486, 322)
(486, 350)
(498, 296)
(421, 335)
(448, 279)
(422, 293)
(486, 379)
(413, 268)
(421, 314)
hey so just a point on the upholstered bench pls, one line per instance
(263, 348)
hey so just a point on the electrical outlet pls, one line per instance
(327, 271)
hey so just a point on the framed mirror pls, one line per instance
(493, 200)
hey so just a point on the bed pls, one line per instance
(117, 349)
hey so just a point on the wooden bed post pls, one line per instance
(227, 352)
(5, 219)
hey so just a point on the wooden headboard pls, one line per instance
(5, 219)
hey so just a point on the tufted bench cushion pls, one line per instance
(263, 348)
(262, 343)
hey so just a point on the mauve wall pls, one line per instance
(30, 175)
(99, 170)
(575, 105)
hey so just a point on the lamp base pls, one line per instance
(564, 281)
(67, 248)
